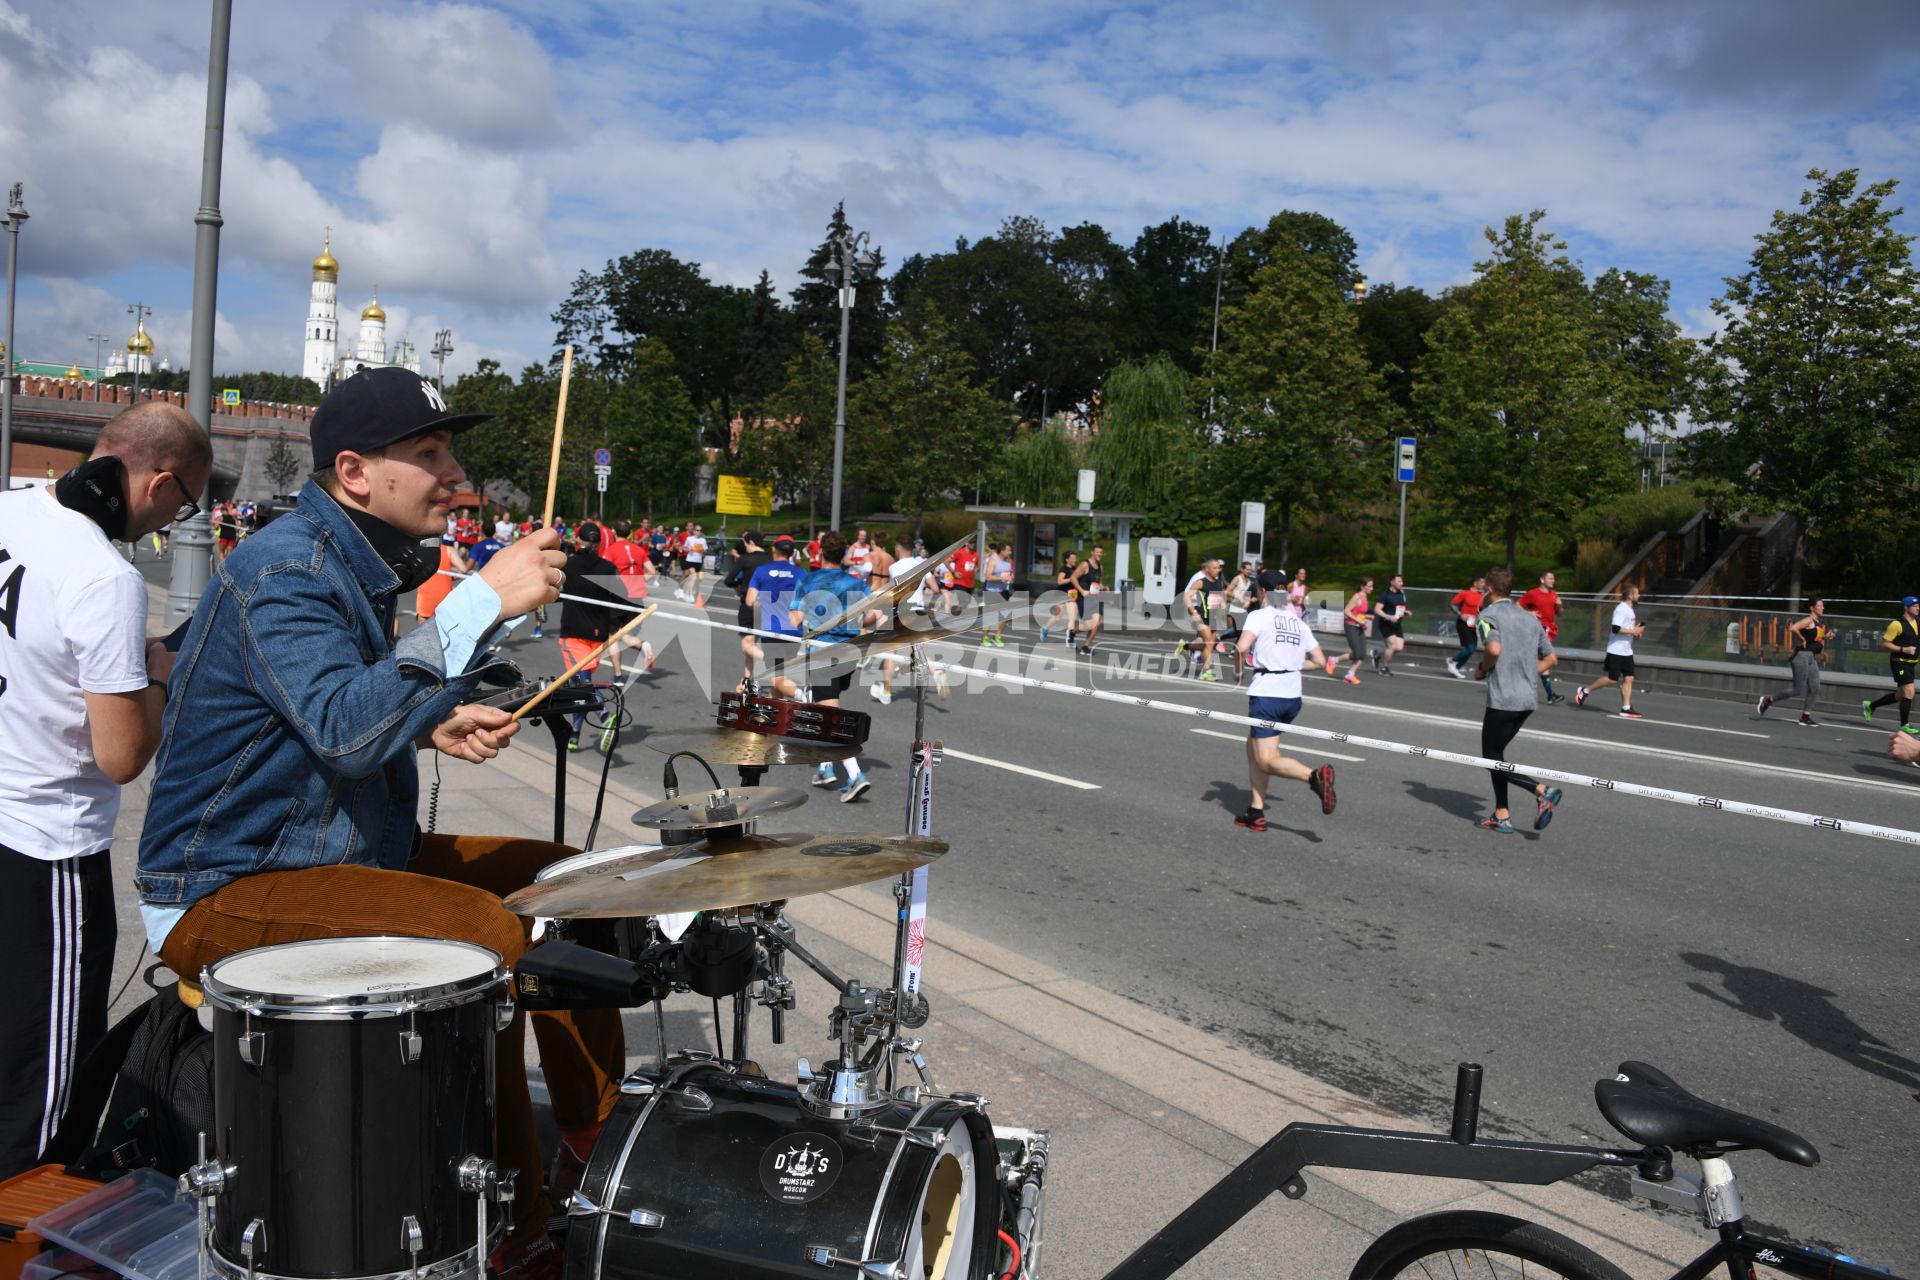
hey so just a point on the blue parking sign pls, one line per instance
(1403, 462)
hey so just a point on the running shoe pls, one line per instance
(1761, 706)
(1253, 819)
(1453, 669)
(1085, 652)
(824, 776)
(606, 740)
(1209, 674)
(1808, 722)
(1385, 671)
(882, 696)
(856, 787)
(1628, 713)
(1549, 801)
(1580, 696)
(537, 633)
(1376, 662)
(1907, 728)
(1866, 710)
(1498, 826)
(1179, 648)
(1320, 782)
(1351, 678)
(1333, 666)
(1554, 698)
(986, 642)
(573, 744)
(1043, 635)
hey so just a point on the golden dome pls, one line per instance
(324, 267)
(73, 373)
(373, 311)
(140, 343)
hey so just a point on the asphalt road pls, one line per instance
(1767, 967)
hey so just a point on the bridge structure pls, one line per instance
(63, 413)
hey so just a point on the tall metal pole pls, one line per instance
(139, 311)
(16, 214)
(96, 339)
(1400, 556)
(840, 400)
(193, 541)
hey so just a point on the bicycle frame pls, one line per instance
(1738, 1251)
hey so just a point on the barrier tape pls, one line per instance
(1793, 817)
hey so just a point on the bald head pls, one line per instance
(168, 459)
(157, 436)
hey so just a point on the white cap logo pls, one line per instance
(433, 395)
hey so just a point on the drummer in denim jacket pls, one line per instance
(283, 805)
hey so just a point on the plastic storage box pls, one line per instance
(25, 1197)
(140, 1225)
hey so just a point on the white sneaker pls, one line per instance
(1453, 668)
(880, 695)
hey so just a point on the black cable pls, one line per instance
(719, 1045)
(606, 762)
(141, 955)
(433, 795)
(671, 780)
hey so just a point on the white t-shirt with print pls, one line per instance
(1281, 643)
(73, 621)
(695, 551)
(1619, 643)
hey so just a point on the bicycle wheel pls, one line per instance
(1479, 1246)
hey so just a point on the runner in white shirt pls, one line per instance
(859, 556)
(504, 529)
(82, 692)
(914, 609)
(1622, 631)
(694, 556)
(1275, 646)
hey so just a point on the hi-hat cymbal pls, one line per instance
(733, 872)
(744, 747)
(727, 807)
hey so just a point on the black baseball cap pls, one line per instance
(1272, 579)
(378, 407)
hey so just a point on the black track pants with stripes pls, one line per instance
(57, 932)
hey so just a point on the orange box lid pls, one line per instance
(26, 1196)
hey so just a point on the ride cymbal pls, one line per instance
(731, 872)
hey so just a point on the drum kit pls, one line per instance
(354, 1076)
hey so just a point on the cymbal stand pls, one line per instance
(910, 890)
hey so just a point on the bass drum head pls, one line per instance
(748, 1182)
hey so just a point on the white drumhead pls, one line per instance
(323, 969)
(591, 858)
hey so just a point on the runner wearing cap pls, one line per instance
(1275, 646)
(1901, 640)
(285, 795)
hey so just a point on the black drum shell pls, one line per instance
(701, 1169)
(335, 1139)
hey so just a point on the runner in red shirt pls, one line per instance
(629, 560)
(1543, 602)
(1466, 607)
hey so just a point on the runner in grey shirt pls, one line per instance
(1514, 653)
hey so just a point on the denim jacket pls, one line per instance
(291, 722)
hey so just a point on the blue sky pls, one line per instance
(473, 158)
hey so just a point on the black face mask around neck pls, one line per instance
(97, 489)
(411, 562)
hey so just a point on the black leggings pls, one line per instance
(1496, 731)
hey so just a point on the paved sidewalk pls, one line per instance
(1146, 1113)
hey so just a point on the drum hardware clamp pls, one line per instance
(579, 1206)
(821, 1255)
(204, 1180)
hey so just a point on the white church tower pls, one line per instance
(372, 345)
(323, 312)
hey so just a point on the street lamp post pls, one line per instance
(442, 348)
(139, 311)
(851, 257)
(193, 541)
(16, 214)
(97, 339)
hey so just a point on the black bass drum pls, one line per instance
(712, 1173)
(353, 1077)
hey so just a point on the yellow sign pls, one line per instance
(739, 496)
(230, 396)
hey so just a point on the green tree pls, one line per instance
(816, 301)
(1393, 332)
(1815, 373)
(283, 465)
(1149, 453)
(1170, 289)
(1039, 468)
(496, 451)
(1314, 234)
(1526, 420)
(918, 427)
(1301, 411)
(1654, 365)
(652, 430)
(789, 443)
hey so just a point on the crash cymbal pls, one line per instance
(730, 872)
(890, 597)
(744, 747)
(727, 807)
(851, 651)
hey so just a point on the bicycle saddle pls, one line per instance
(1645, 1104)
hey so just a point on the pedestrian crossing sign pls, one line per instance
(230, 397)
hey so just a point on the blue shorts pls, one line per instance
(1281, 709)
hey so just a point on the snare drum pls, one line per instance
(353, 1078)
(746, 1183)
(625, 937)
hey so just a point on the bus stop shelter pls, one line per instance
(1039, 535)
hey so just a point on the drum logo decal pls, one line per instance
(844, 849)
(801, 1168)
(916, 941)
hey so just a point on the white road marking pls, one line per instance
(1753, 766)
(1020, 768)
(1295, 747)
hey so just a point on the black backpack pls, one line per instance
(155, 1069)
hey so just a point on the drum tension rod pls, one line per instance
(580, 1206)
(821, 1255)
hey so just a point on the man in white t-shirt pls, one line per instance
(906, 558)
(694, 555)
(1276, 646)
(81, 695)
(503, 529)
(1622, 632)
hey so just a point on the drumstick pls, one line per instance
(559, 429)
(588, 661)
